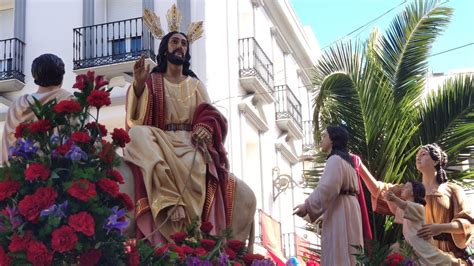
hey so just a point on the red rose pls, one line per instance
(179, 237)
(82, 222)
(90, 257)
(35, 171)
(232, 255)
(97, 126)
(67, 107)
(107, 153)
(109, 186)
(99, 98)
(38, 254)
(31, 205)
(235, 245)
(20, 129)
(82, 190)
(206, 227)
(63, 239)
(8, 188)
(100, 82)
(394, 259)
(40, 126)
(187, 249)
(249, 258)
(120, 137)
(5, 260)
(116, 175)
(64, 148)
(90, 76)
(200, 252)
(19, 243)
(127, 201)
(80, 137)
(80, 82)
(208, 244)
(178, 250)
(161, 250)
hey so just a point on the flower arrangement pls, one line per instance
(59, 195)
(397, 254)
(196, 247)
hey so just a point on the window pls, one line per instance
(118, 48)
(136, 45)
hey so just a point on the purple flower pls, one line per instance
(223, 259)
(55, 210)
(14, 216)
(54, 139)
(76, 154)
(25, 149)
(116, 220)
(193, 261)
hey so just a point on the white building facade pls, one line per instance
(255, 59)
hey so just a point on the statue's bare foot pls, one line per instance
(177, 214)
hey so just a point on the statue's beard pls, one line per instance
(174, 59)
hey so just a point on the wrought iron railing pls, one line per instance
(12, 59)
(112, 42)
(253, 62)
(287, 105)
(308, 135)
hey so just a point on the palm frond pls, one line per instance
(405, 48)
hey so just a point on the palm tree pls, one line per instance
(377, 90)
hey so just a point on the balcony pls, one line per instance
(12, 77)
(110, 49)
(255, 70)
(288, 112)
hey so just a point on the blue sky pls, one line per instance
(333, 19)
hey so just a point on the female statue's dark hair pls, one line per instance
(418, 192)
(339, 137)
(47, 70)
(163, 62)
(438, 155)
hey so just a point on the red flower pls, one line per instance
(109, 186)
(116, 175)
(35, 171)
(232, 255)
(178, 250)
(107, 153)
(187, 249)
(99, 98)
(208, 244)
(63, 239)
(95, 126)
(8, 188)
(80, 137)
(81, 81)
(5, 260)
(394, 259)
(90, 76)
(235, 245)
(127, 201)
(179, 237)
(90, 257)
(38, 254)
(161, 250)
(19, 243)
(206, 227)
(20, 129)
(82, 190)
(100, 82)
(31, 205)
(120, 137)
(200, 252)
(40, 126)
(249, 258)
(64, 148)
(134, 256)
(82, 222)
(67, 107)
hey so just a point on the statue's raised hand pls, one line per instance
(140, 74)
